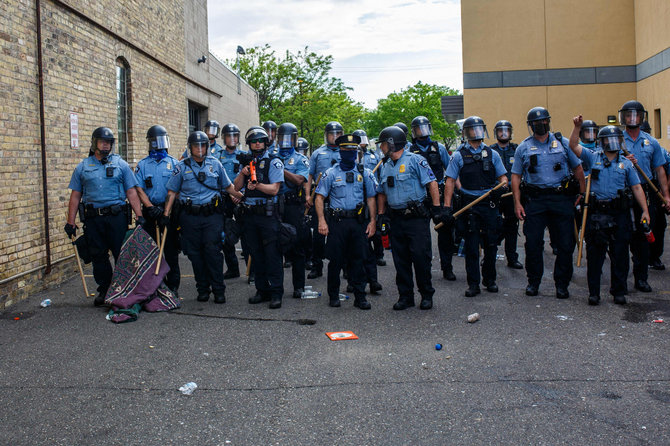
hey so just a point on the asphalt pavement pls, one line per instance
(532, 370)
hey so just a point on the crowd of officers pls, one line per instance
(350, 200)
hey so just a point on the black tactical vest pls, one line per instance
(477, 172)
(432, 155)
(262, 171)
(506, 154)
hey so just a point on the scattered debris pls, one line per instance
(188, 388)
(45, 303)
(438, 346)
(474, 317)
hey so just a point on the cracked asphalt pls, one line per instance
(531, 371)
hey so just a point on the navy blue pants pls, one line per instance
(346, 245)
(480, 226)
(105, 233)
(556, 212)
(411, 246)
(294, 215)
(613, 239)
(201, 242)
(261, 233)
(639, 246)
(510, 229)
(318, 243)
(229, 253)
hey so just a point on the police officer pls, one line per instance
(544, 162)
(588, 134)
(228, 158)
(405, 177)
(199, 181)
(271, 129)
(211, 129)
(153, 173)
(438, 160)
(262, 179)
(648, 155)
(350, 191)
(100, 185)
(322, 159)
(505, 148)
(303, 147)
(479, 168)
(608, 225)
(656, 248)
(292, 195)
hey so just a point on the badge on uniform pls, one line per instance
(401, 169)
(554, 144)
(291, 161)
(533, 148)
(359, 178)
(213, 150)
(646, 142)
(485, 153)
(511, 160)
(211, 169)
(261, 165)
(169, 166)
(621, 166)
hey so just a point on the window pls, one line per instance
(123, 102)
(196, 116)
(657, 130)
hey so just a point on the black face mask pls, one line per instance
(540, 128)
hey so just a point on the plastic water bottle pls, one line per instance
(45, 303)
(309, 294)
(308, 288)
(343, 296)
(461, 248)
(188, 388)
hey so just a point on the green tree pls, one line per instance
(298, 88)
(416, 100)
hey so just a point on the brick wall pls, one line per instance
(79, 61)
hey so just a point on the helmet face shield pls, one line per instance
(364, 140)
(422, 131)
(475, 133)
(631, 118)
(332, 135)
(159, 143)
(231, 139)
(612, 143)
(504, 133)
(212, 131)
(287, 141)
(588, 135)
(198, 149)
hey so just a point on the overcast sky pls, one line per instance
(378, 46)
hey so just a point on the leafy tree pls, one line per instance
(416, 100)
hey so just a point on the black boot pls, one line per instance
(231, 274)
(362, 303)
(275, 302)
(375, 287)
(448, 274)
(258, 298)
(426, 304)
(220, 298)
(314, 273)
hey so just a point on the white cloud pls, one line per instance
(378, 46)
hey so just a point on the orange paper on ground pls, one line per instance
(341, 335)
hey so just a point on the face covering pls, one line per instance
(589, 145)
(104, 154)
(347, 159)
(157, 155)
(257, 153)
(540, 128)
(424, 142)
(285, 153)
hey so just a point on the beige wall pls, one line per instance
(652, 27)
(654, 93)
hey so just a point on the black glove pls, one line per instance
(497, 194)
(70, 230)
(163, 221)
(154, 212)
(448, 216)
(383, 220)
(140, 221)
(436, 214)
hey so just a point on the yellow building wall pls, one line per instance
(652, 33)
(654, 93)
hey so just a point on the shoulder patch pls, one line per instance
(423, 162)
(278, 164)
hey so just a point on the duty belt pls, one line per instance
(199, 209)
(536, 190)
(612, 206)
(268, 208)
(405, 213)
(293, 198)
(116, 209)
(344, 213)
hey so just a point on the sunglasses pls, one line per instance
(255, 141)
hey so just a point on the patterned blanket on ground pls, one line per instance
(134, 283)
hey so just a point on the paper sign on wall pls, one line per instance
(74, 131)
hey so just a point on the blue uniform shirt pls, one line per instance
(186, 183)
(551, 153)
(411, 174)
(345, 195)
(323, 159)
(297, 164)
(444, 155)
(457, 164)
(275, 175)
(370, 160)
(591, 147)
(613, 176)
(647, 151)
(229, 162)
(157, 173)
(97, 188)
(273, 149)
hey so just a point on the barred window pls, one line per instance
(123, 102)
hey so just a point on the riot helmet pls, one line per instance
(198, 143)
(364, 139)
(212, 128)
(611, 138)
(254, 136)
(99, 139)
(588, 132)
(421, 128)
(394, 138)
(503, 131)
(402, 127)
(231, 135)
(645, 127)
(158, 138)
(632, 114)
(332, 131)
(287, 136)
(539, 121)
(303, 146)
(271, 129)
(474, 129)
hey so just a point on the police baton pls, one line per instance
(465, 208)
(81, 270)
(646, 178)
(313, 192)
(586, 211)
(377, 166)
(160, 253)
(248, 265)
